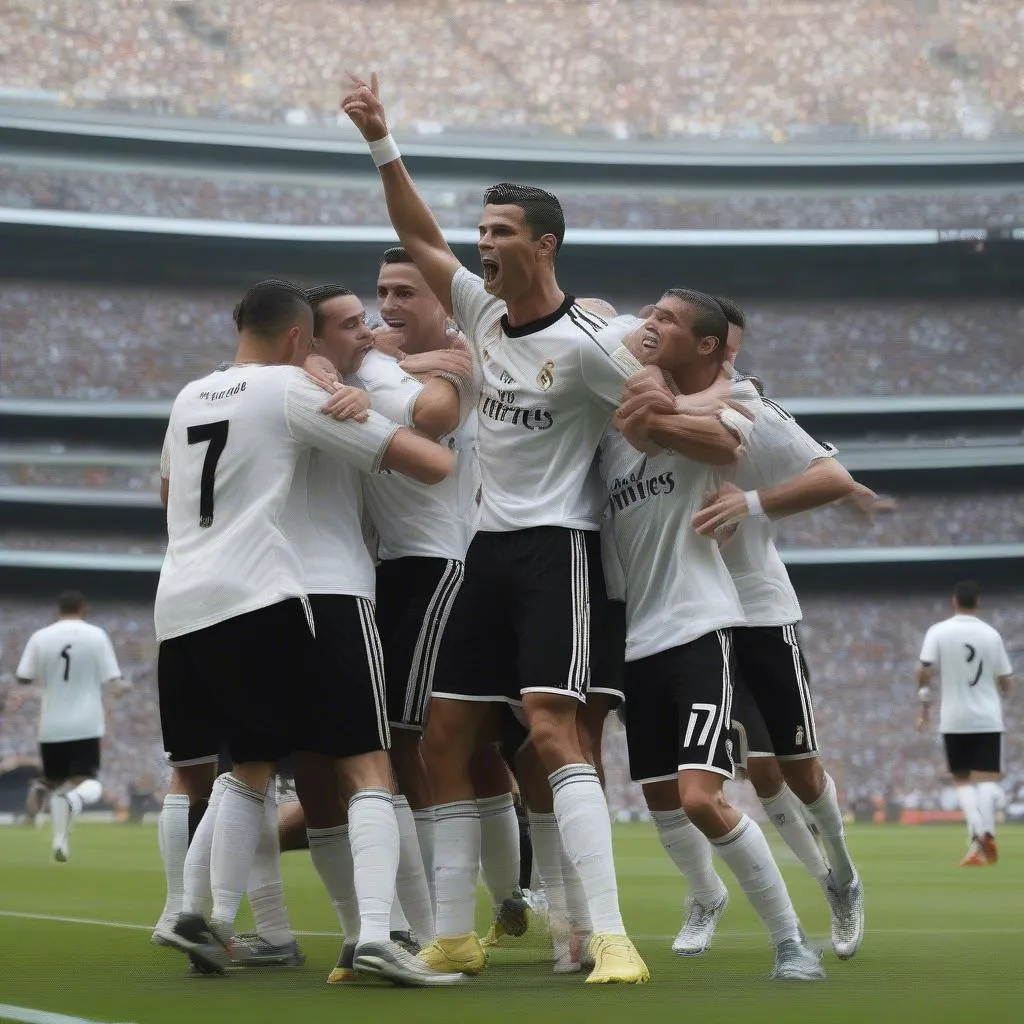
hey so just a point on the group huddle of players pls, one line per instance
(424, 562)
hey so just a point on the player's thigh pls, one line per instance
(415, 597)
(476, 653)
(771, 663)
(189, 719)
(555, 574)
(652, 734)
(343, 712)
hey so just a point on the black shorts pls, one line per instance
(522, 620)
(771, 665)
(973, 752)
(678, 710)
(750, 734)
(414, 600)
(262, 684)
(608, 648)
(70, 760)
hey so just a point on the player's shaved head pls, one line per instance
(270, 308)
(599, 307)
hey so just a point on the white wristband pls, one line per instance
(384, 151)
(753, 503)
(924, 694)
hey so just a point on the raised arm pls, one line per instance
(650, 418)
(418, 231)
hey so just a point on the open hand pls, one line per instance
(348, 403)
(722, 507)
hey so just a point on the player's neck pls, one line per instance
(540, 301)
(692, 379)
(253, 351)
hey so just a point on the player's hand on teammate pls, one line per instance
(723, 507)
(364, 108)
(455, 360)
(649, 379)
(389, 341)
(348, 403)
(634, 416)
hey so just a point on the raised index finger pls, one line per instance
(375, 84)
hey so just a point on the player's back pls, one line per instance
(970, 656)
(71, 659)
(230, 457)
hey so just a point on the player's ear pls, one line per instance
(547, 246)
(706, 346)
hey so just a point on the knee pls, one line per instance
(765, 776)
(703, 805)
(806, 778)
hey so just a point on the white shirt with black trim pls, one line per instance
(775, 450)
(970, 656)
(233, 454)
(677, 585)
(410, 518)
(548, 390)
(72, 659)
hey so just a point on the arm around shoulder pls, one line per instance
(417, 457)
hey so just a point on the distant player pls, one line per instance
(71, 660)
(974, 668)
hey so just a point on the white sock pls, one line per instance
(411, 884)
(990, 796)
(968, 797)
(85, 794)
(691, 853)
(266, 891)
(172, 835)
(829, 819)
(499, 847)
(373, 835)
(785, 812)
(746, 851)
(235, 836)
(456, 864)
(547, 860)
(425, 834)
(198, 896)
(535, 879)
(60, 818)
(575, 897)
(331, 854)
(586, 830)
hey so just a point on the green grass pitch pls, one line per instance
(943, 944)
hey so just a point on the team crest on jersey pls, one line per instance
(546, 377)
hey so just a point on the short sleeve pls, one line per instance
(930, 647)
(1003, 666)
(472, 307)
(28, 667)
(361, 445)
(393, 393)
(165, 456)
(109, 668)
(606, 362)
(781, 448)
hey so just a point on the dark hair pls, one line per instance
(270, 307)
(541, 210)
(71, 602)
(708, 319)
(732, 312)
(395, 255)
(966, 594)
(317, 296)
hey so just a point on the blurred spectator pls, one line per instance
(264, 199)
(768, 70)
(85, 341)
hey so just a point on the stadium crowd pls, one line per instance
(774, 70)
(861, 651)
(92, 342)
(350, 200)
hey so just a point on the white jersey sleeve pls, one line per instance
(607, 362)
(930, 647)
(1003, 666)
(779, 448)
(360, 444)
(165, 458)
(473, 309)
(393, 392)
(28, 666)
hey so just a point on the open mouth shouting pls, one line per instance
(490, 269)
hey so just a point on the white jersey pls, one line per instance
(970, 656)
(72, 659)
(611, 564)
(677, 586)
(775, 450)
(232, 451)
(548, 390)
(410, 518)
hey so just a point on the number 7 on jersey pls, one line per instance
(217, 436)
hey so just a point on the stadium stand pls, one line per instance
(82, 341)
(260, 198)
(772, 70)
